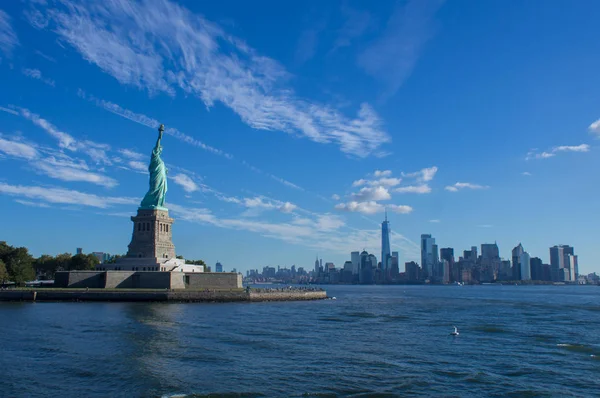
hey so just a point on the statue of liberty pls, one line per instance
(155, 198)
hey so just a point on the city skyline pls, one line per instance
(295, 143)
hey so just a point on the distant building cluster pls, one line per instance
(437, 266)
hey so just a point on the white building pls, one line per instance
(525, 261)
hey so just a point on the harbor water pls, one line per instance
(372, 340)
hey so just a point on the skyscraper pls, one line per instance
(447, 254)
(355, 258)
(385, 245)
(516, 261)
(525, 266)
(218, 267)
(490, 251)
(427, 243)
(559, 259)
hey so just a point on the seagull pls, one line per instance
(455, 333)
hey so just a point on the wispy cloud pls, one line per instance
(424, 175)
(45, 56)
(32, 204)
(464, 185)
(372, 207)
(18, 149)
(161, 47)
(56, 169)
(8, 37)
(526, 173)
(535, 154)
(185, 182)
(419, 189)
(435, 221)
(37, 74)
(53, 164)
(64, 196)
(335, 197)
(392, 57)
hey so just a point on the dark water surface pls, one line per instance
(372, 341)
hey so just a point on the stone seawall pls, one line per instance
(287, 295)
(123, 295)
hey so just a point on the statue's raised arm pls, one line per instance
(161, 130)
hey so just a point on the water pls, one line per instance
(372, 341)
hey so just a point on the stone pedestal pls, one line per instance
(152, 235)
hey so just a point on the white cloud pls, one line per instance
(420, 189)
(434, 221)
(526, 173)
(359, 183)
(368, 194)
(260, 202)
(65, 140)
(56, 169)
(382, 173)
(128, 153)
(64, 196)
(160, 46)
(464, 185)
(185, 182)
(18, 149)
(571, 148)
(372, 207)
(138, 166)
(423, 175)
(391, 58)
(31, 204)
(287, 207)
(335, 197)
(595, 127)
(485, 226)
(287, 183)
(8, 37)
(535, 154)
(11, 111)
(54, 164)
(388, 182)
(37, 74)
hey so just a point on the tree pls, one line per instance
(196, 262)
(114, 258)
(3, 273)
(84, 262)
(45, 266)
(62, 262)
(19, 265)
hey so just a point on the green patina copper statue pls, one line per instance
(155, 198)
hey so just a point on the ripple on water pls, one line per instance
(582, 348)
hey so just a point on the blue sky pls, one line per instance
(291, 125)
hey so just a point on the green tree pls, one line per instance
(114, 258)
(3, 273)
(45, 266)
(84, 262)
(19, 264)
(62, 262)
(195, 262)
